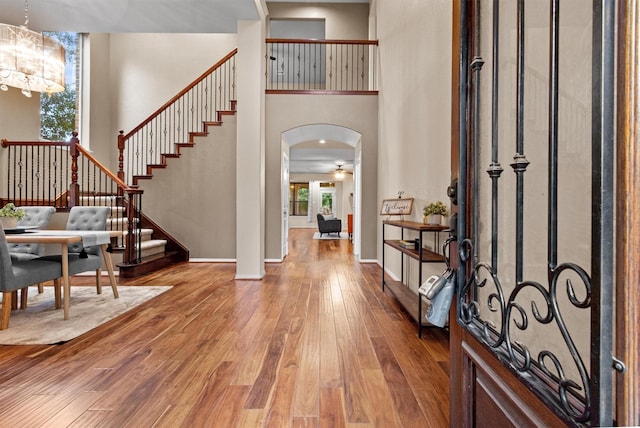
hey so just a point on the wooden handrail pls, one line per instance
(107, 172)
(181, 93)
(324, 42)
(7, 143)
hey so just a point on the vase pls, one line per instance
(434, 219)
(9, 222)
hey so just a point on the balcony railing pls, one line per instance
(64, 175)
(327, 66)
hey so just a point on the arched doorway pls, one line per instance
(317, 150)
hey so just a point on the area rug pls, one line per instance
(343, 235)
(42, 324)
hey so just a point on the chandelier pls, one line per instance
(29, 60)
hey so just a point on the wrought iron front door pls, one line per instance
(535, 214)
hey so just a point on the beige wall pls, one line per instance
(414, 116)
(194, 198)
(19, 121)
(355, 112)
(342, 21)
(96, 132)
(146, 70)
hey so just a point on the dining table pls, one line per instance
(64, 238)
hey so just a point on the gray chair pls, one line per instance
(19, 275)
(333, 225)
(85, 259)
(34, 216)
(40, 218)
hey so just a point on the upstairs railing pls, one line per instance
(178, 119)
(329, 66)
(64, 175)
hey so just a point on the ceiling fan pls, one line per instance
(340, 172)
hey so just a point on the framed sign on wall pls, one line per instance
(399, 206)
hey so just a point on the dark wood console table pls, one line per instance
(401, 291)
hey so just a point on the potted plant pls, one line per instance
(433, 212)
(9, 216)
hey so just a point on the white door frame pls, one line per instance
(285, 205)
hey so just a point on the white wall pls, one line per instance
(414, 116)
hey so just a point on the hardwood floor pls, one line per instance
(314, 343)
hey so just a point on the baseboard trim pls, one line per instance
(248, 277)
(203, 260)
(392, 275)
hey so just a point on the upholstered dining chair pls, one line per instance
(34, 216)
(37, 217)
(83, 259)
(18, 275)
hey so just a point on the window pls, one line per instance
(60, 112)
(298, 199)
(328, 195)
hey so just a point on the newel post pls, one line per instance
(121, 155)
(74, 189)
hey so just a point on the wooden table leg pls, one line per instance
(65, 280)
(112, 277)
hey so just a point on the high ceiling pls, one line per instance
(173, 16)
(136, 16)
(125, 16)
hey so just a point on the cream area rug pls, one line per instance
(41, 324)
(343, 235)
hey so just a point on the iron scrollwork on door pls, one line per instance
(573, 395)
(535, 319)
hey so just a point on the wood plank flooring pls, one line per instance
(314, 343)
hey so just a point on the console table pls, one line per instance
(408, 298)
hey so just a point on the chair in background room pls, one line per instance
(18, 275)
(329, 225)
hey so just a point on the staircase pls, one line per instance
(64, 174)
(149, 246)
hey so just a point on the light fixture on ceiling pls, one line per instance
(29, 60)
(322, 141)
(339, 172)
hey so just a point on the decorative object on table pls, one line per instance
(10, 215)
(397, 206)
(412, 244)
(434, 212)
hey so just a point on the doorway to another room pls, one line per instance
(321, 162)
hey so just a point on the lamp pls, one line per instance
(339, 172)
(29, 60)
